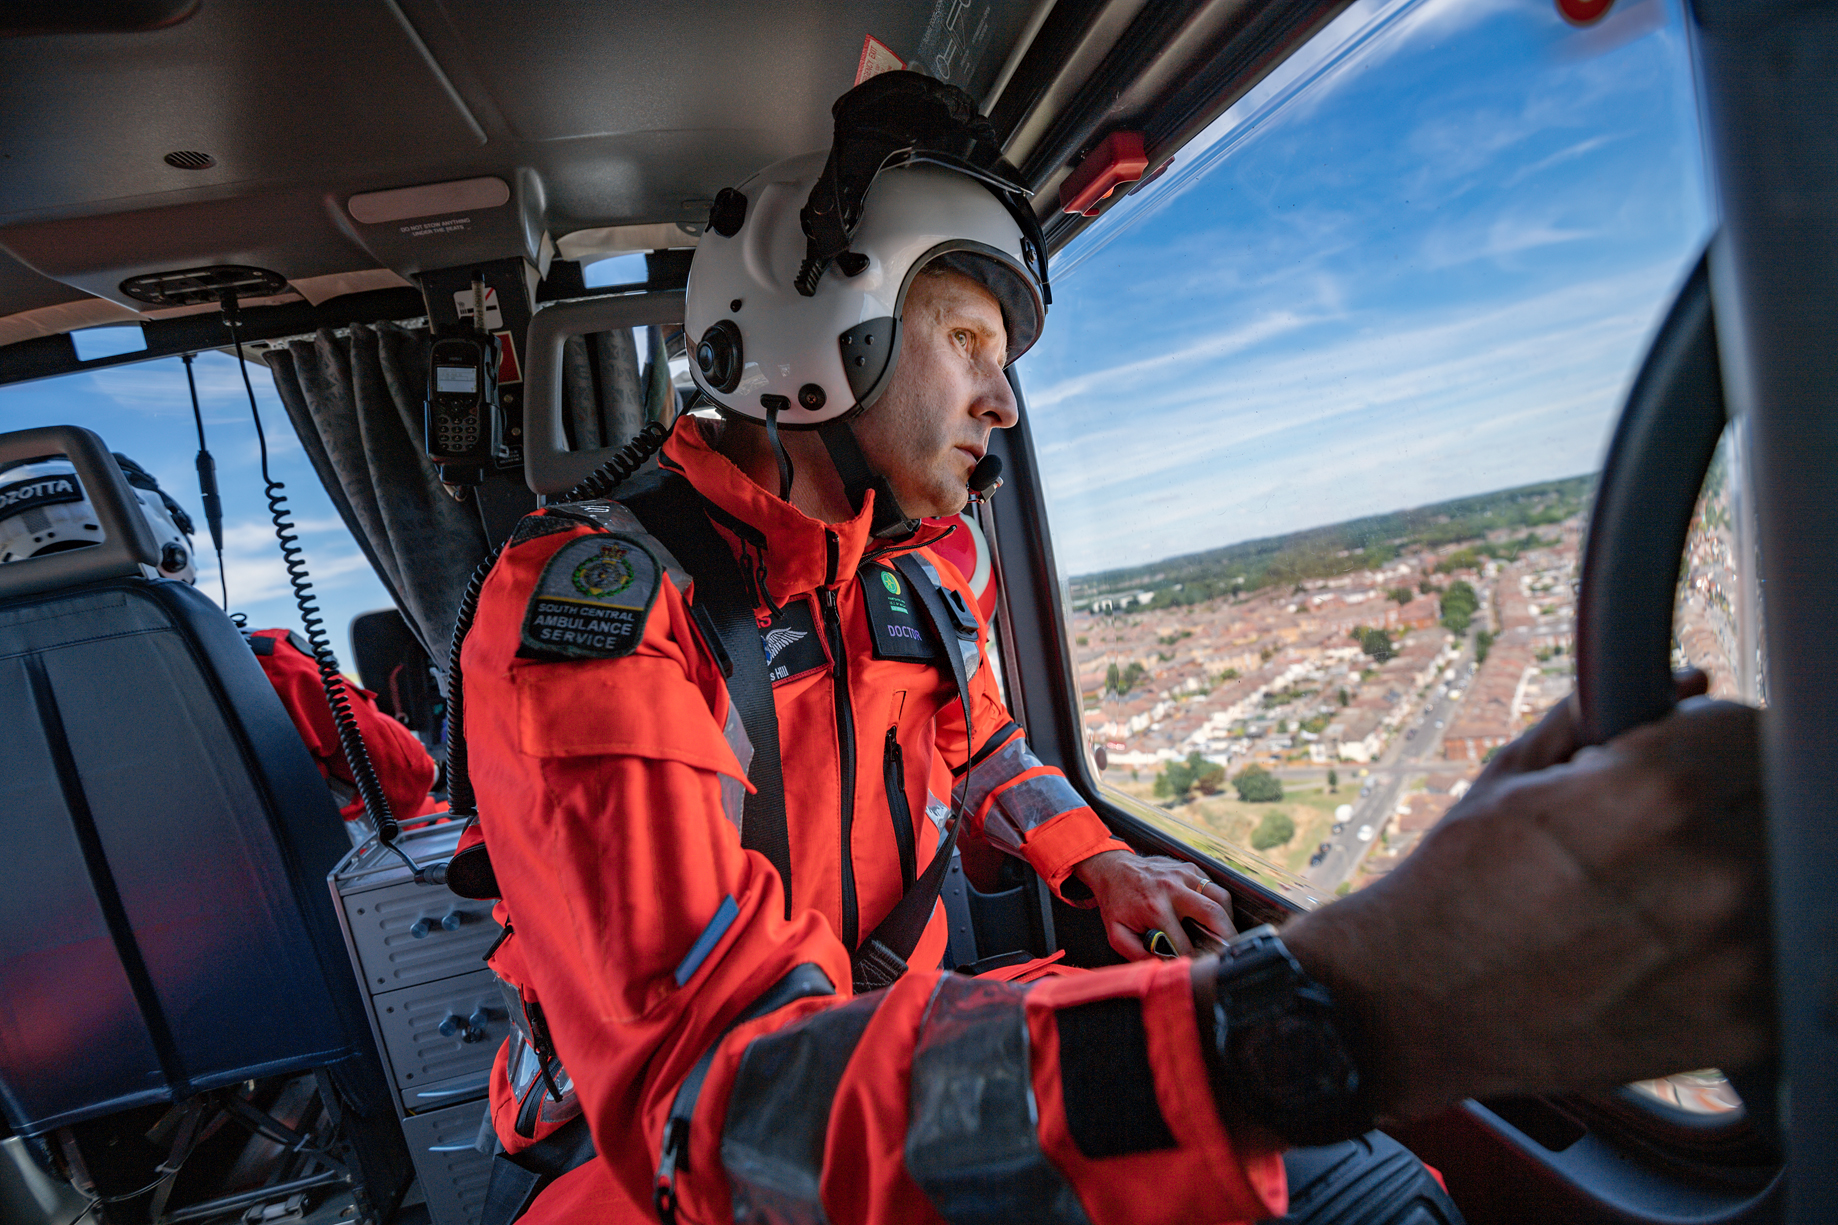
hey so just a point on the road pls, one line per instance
(1376, 796)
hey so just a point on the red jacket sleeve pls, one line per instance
(402, 764)
(645, 930)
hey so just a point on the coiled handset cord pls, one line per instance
(350, 738)
(603, 481)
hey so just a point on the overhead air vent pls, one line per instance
(196, 286)
(189, 159)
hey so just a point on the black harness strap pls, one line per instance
(517, 1181)
(677, 516)
(881, 959)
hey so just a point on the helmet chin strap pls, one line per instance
(858, 477)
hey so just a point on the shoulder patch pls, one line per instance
(592, 600)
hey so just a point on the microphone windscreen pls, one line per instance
(987, 474)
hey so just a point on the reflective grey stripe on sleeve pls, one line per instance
(779, 1112)
(1022, 808)
(938, 812)
(971, 1142)
(1026, 807)
(1011, 759)
(733, 791)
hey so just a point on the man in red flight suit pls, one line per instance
(698, 999)
(402, 763)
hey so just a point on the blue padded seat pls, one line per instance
(167, 928)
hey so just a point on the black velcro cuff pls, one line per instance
(1105, 1077)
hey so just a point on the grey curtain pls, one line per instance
(356, 403)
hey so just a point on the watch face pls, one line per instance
(1298, 1064)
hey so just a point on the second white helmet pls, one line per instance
(44, 509)
(756, 343)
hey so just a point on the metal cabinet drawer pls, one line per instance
(453, 1173)
(406, 934)
(411, 1019)
(437, 1094)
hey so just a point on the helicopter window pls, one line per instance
(95, 343)
(1320, 409)
(143, 410)
(626, 269)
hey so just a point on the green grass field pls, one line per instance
(1310, 805)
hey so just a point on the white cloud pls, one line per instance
(252, 560)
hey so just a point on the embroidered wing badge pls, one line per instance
(779, 639)
(592, 601)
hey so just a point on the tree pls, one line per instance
(1459, 604)
(1426, 587)
(1375, 642)
(1345, 698)
(1403, 595)
(1120, 682)
(1256, 785)
(1180, 777)
(1461, 559)
(1274, 830)
(1333, 779)
(1483, 642)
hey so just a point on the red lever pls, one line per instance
(1119, 159)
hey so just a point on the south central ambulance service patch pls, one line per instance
(592, 600)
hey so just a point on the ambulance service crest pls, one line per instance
(592, 601)
(606, 574)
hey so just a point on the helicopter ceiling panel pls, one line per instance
(240, 95)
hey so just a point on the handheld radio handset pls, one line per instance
(462, 399)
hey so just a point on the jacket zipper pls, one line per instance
(893, 767)
(845, 743)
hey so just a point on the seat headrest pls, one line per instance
(127, 543)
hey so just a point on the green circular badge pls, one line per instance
(609, 573)
(890, 582)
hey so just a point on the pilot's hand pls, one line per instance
(1137, 894)
(1581, 919)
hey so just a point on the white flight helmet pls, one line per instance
(44, 510)
(798, 284)
(756, 343)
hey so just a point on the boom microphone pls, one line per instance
(986, 477)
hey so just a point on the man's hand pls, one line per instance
(1136, 894)
(1581, 919)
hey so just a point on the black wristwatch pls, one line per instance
(1283, 1056)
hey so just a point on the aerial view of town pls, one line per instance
(1307, 707)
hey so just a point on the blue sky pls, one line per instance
(1421, 261)
(144, 411)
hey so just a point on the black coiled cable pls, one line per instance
(350, 738)
(606, 478)
(619, 469)
(460, 801)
